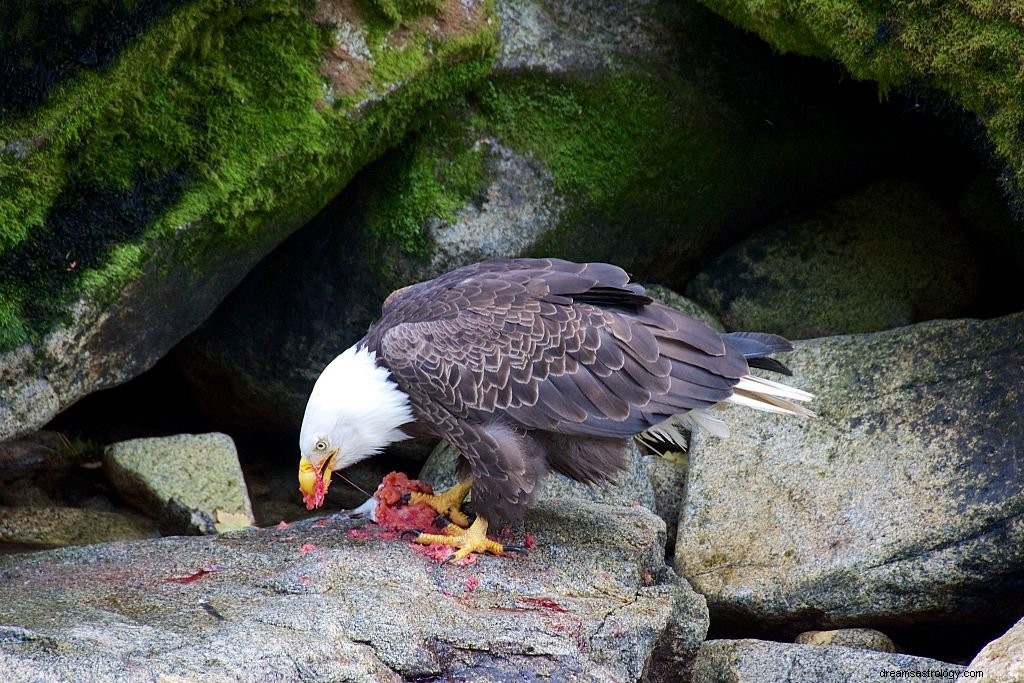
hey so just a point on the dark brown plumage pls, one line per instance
(525, 365)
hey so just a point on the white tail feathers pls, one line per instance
(773, 397)
(670, 431)
(753, 392)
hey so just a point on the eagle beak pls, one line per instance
(315, 479)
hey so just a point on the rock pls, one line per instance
(667, 474)
(687, 628)
(861, 638)
(518, 206)
(900, 505)
(35, 453)
(169, 476)
(1003, 659)
(121, 192)
(50, 527)
(886, 256)
(740, 661)
(632, 488)
(327, 599)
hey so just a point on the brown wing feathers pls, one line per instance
(529, 338)
(543, 344)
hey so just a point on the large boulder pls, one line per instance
(151, 153)
(328, 599)
(899, 506)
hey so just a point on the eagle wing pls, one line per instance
(552, 345)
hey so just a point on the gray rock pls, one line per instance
(326, 600)
(901, 504)
(581, 35)
(861, 638)
(743, 661)
(517, 208)
(885, 256)
(1003, 659)
(50, 526)
(632, 488)
(198, 472)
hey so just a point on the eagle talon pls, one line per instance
(471, 540)
(448, 503)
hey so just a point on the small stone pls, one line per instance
(862, 638)
(200, 472)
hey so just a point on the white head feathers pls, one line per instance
(354, 407)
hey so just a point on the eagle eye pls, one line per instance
(321, 445)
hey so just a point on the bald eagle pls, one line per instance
(527, 366)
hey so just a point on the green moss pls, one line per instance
(971, 50)
(634, 166)
(652, 169)
(213, 118)
(404, 10)
(430, 177)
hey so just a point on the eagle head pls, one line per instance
(354, 411)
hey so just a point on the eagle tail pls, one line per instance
(773, 397)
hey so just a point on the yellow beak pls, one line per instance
(314, 480)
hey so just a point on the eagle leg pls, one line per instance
(448, 503)
(471, 540)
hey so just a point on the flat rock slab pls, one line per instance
(335, 599)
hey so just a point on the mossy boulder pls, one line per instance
(159, 150)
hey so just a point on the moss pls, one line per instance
(971, 50)
(640, 162)
(647, 162)
(213, 119)
(432, 177)
(404, 10)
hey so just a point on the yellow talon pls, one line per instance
(447, 503)
(471, 540)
